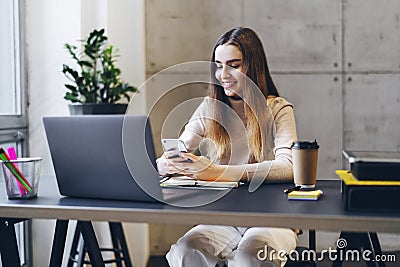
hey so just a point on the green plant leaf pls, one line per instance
(71, 87)
(85, 63)
(71, 97)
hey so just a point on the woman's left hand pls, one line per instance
(197, 167)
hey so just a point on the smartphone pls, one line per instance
(175, 145)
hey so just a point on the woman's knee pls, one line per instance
(188, 252)
(273, 238)
(183, 247)
(179, 254)
(268, 245)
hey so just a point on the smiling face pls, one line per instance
(229, 62)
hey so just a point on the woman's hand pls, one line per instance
(165, 166)
(200, 168)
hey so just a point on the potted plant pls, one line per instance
(95, 85)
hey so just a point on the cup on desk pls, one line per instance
(22, 177)
(305, 161)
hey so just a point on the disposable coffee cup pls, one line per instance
(305, 161)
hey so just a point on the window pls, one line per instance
(13, 92)
(13, 104)
(9, 47)
(12, 73)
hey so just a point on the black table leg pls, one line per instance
(116, 244)
(119, 232)
(312, 244)
(377, 247)
(91, 244)
(57, 250)
(358, 241)
(8, 243)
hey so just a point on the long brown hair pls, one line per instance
(255, 67)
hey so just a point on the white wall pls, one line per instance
(49, 25)
(47, 31)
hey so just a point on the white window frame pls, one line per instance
(14, 128)
(20, 119)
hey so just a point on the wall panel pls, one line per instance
(318, 113)
(179, 31)
(372, 35)
(299, 35)
(372, 112)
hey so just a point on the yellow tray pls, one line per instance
(349, 179)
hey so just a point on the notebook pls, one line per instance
(88, 157)
(184, 181)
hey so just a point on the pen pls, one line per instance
(12, 153)
(288, 190)
(166, 178)
(13, 156)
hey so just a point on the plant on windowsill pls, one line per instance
(95, 85)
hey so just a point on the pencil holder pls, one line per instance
(22, 177)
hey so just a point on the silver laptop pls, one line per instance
(89, 162)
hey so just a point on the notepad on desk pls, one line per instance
(185, 181)
(305, 195)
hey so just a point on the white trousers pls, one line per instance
(215, 245)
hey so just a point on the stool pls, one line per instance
(120, 249)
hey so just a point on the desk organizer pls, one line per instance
(372, 196)
(22, 177)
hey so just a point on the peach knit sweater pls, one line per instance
(281, 134)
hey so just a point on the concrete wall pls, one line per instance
(337, 61)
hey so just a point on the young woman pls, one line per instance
(244, 130)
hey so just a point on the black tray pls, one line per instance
(376, 171)
(374, 166)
